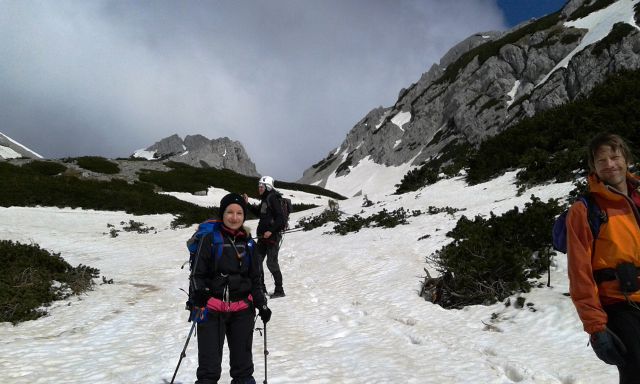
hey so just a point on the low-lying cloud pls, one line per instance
(287, 78)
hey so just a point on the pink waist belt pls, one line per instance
(218, 305)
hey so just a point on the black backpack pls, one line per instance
(286, 207)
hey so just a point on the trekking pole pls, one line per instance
(293, 230)
(266, 352)
(184, 352)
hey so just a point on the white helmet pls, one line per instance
(267, 181)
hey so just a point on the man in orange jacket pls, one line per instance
(603, 272)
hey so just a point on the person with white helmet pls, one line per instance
(270, 225)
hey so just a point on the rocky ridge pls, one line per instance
(11, 149)
(199, 151)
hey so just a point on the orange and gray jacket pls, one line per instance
(618, 242)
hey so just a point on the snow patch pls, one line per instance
(512, 93)
(8, 153)
(599, 25)
(368, 176)
(144, 154)
(20, 145)
(401, 119)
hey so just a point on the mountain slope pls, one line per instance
(11, 149)
(489, 88)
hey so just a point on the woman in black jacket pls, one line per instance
(227, 288)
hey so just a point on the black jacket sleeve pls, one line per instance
(254, 209)
(202, 269)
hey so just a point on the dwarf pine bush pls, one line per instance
(31, 278)
(98, 164)
(491, 259)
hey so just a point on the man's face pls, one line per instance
(611, 166)
(261, 188)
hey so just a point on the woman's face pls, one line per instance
(233, 216)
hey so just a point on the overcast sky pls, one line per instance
(287, 78)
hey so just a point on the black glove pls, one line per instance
(200, 298)
(265, 313)
(608, 347)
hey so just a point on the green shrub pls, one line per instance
(136, 226)
(46, 168)
(302, 207)
(417, 178)
(23, 187)
(345, 164)
(98, 164)
(312, 222)
(491, 259)
(570, 38)
(586, 9)
(354, 223)
(324, 163)
(384, 218)
(448, 210)
(27, 273)
(618, 32)
(185, 178)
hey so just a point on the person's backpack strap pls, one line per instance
(249, 252)
(595, 216)
(217, 242)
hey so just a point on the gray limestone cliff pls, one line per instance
(199, 151)
(489, 82)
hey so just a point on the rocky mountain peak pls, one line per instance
(198, 151)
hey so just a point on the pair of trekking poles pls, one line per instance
(183, 354)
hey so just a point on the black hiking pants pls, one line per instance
(270, 252)
(238, 328)
(624, 321)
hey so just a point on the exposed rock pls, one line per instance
(10, 149)
(490, 93)
(199, 151)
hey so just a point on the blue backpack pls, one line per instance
(195, 242)
(595, 217)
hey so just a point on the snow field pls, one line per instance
(351, 315)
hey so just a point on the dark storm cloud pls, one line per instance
(287, 78)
